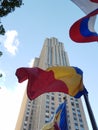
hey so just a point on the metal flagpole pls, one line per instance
(65, 100)
(91, 115)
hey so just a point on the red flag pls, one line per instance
(96, 1)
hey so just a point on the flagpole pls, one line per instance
(65, 100)
(91, 115)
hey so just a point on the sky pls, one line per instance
(26, 29)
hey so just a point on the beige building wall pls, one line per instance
(21, 113)
(39, 111)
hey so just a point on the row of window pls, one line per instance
(50, 105)
(76, 115)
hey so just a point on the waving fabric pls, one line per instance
(83, 31)
(67, 79)
(59, 121)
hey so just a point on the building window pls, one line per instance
(68, 121)
(47, 97)
(81, 125)
(47, 102)
(33, 102)
(72, 103)
(59, 94)
(75, 118)
(74, 113)
(25, 123)
(28, 109)
(76, 126)
(29, 105)
(79, 115)
(27, 113)
(78, 111)
(47, 116)
(52, 103)
(76, 100)
(26, 119)
(69, 127)
(29, 101)
(81, 128)
(47, 106)
(31, 118)
(80, 119)
(47, 111)
(52, 98)
(52, 93)
(77, 105)
(71, 98)
(68, 116)
(60, 100)
(46, 121)
(29, 127)
(52, 112)
(52, 108)
(73, 109)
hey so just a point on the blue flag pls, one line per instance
(59, 121)
(62, 122)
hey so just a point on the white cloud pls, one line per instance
(11, 41)
(31, 63)
(10, 102)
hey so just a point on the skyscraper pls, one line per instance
(34, 114)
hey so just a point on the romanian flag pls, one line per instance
(67, 79)
(59, 122)
(83, 30)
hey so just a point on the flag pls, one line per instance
(59, 122)
(82, 30)
(96, 1)
(87, 6)
(51, 126)
(64, 79)
(80, 93)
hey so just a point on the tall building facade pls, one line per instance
(34, 114)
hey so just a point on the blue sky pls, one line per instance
(26, 30)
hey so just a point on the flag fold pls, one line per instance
(96, 1)
(65, 79)
(83, 30)
(59, 121)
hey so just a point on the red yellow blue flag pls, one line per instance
(65, 79)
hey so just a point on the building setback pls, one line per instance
(34, 114)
